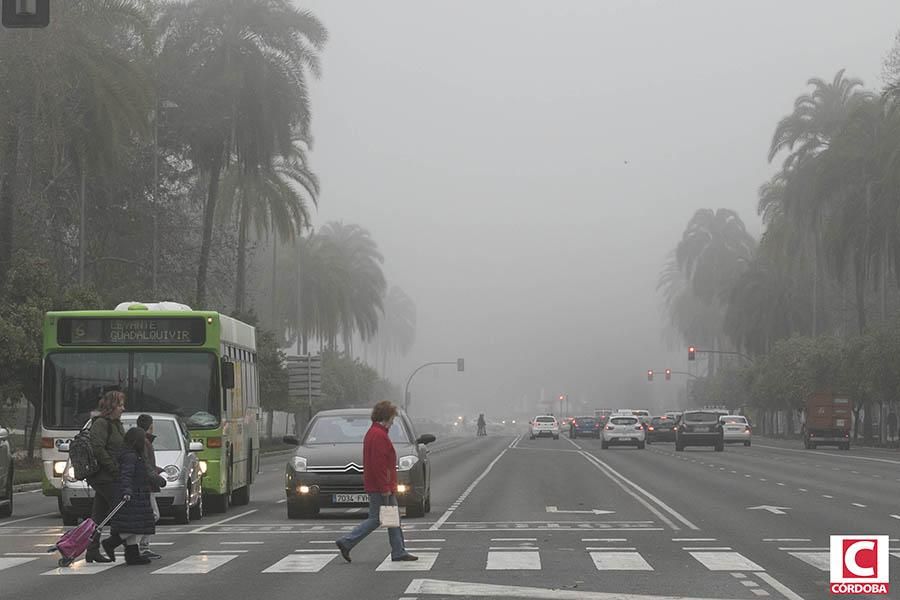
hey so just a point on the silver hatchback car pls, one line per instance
(181, 498)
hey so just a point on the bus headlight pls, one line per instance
(69, 473)
(59, 467)
(171, 472)
(203, 467)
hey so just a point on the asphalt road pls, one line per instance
(516, 518)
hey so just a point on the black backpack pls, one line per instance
(81, 455)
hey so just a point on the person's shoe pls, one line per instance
(151, 555)
(405, 558)
(345, 551)
(94, 556)
(133, 556)
(109, 546)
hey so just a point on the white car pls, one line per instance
(736, 429)
(545, 426)
(623, 429)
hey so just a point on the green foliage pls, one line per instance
(348, 382)
(273, 378)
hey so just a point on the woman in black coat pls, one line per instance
(136, 517)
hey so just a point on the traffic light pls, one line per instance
(460, 364)
(561, 397)
(650, 375)
(668, 374)
(25, 13)
(692, 353)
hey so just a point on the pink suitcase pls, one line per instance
(74, 542)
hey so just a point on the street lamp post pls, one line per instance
(460, 366)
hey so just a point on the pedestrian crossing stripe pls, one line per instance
(302, 563)
(197, 564)
(524, 559)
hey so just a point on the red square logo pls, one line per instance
(860, 558)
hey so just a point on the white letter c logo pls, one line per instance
(850, 558)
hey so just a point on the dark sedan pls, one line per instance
(326, 470)
(661, 429)
(584, 426)
(699, 428)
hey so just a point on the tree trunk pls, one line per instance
(815, 290)
(860, 302)
(275, 326)
(240, 285)
(270, 424)
(8, 162)
(209, 213)
(867, 422)
(81, 226)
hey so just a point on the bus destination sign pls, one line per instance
(134, 331)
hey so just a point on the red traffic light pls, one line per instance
(561, 397)
(650, 375)
(692, 353)
(668, 374)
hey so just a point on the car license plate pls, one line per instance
(702, 429)
(625, 439)
(351, 498)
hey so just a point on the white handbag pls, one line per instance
(389, 516)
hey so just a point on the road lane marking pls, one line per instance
(819, 560)
(513, 539)
(620, 561)
(827, 496)
(197, 564)
(610, 548)
(6, 563)
(83, 568)
(49, 514)
(803, 549)
(528, 547)
(706, 548)
(513, 561)
(726, 561)
(783, 589)
(302, 563)
(465, 494)
(694, 540)
(425, 563)
(437, 587)
(858, 505)
(224, 551)
(786, 540)
(282, 501)
(895, 516)
(869, 458)
(760, 592)
(621, 480)
(241, 543)
(205, 527)
(604, 539)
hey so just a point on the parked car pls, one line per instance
(661, 429)
(182, 497)
(6, 474)
(586, 426)
(623, 429)
(545, 426)
(326, 470)
(699, 428)
(736, 429)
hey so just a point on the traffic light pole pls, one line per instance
(459, 367)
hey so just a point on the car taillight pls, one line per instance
(747, 429)
(638, 427)
(610, 427)
(650, 428)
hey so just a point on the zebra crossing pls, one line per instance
(503, 554)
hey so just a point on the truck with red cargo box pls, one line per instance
(829, 418)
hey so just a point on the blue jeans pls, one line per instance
(372, 522)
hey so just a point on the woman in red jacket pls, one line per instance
(380, 481)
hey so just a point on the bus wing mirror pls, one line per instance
(227, 374)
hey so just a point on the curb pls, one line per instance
(26, 487)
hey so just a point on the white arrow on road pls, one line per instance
(775, 510)
(593, 511)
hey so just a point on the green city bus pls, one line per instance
(167, 358)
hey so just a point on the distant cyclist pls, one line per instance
(482, 430)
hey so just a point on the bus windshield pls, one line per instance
(180, 383)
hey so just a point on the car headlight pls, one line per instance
(407, 462)
(171, 473)
(69, 472)
(59, 467)
(299, 464)
(203, 467)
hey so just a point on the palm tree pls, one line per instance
(274, 199)
(714, 249)
(805, 133)
(77, 92)
(365, 285)
(238, 70)
(398, 332)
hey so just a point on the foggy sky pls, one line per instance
(484, 145)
